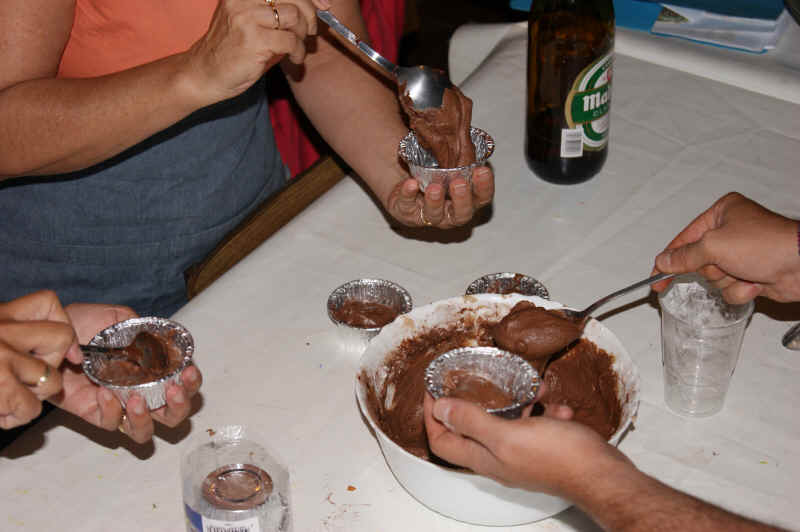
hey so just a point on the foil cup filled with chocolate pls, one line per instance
(508, 283)
(124, 378)
(360, 308)
(231, 482)
(502, 382)
(425, 168)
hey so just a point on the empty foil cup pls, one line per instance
(508, 283)
(425, 169)
(502, 382)
(180, 350)
(353, 334)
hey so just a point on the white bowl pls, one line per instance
(461, 495)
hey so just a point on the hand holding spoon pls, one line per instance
(424, 85)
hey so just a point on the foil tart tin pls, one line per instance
(508, 283)
(232, 483)
(509, 372)
(425, 169)
(122, 334)
(356, 339)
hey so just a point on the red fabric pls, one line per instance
(384, 19)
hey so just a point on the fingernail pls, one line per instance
(460, 190)
(179, 397)
(441, 412)
(482, 173)
(106, 396)
(435, 193)
(138, 407)
(664, 260)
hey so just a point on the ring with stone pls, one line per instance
(45, 376)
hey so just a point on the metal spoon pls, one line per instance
(581, 317)
(791, 340)
(144, 351)
(424, 85)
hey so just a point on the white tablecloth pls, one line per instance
(270, 360)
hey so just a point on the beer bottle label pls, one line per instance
(586, 109)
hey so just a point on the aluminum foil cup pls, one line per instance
(509, 372)
(356, 339)
(122, 334)
(508, 283)
(459, 494)
(425, 169)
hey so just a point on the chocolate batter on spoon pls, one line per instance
(535, 333)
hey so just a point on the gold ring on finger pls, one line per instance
(122, 421)
(270, 3)
(422, 219)
(449, 217)
(277, 17)
(45, 376)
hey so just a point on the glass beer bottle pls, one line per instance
(570, 65)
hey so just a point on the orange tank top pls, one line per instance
(112, 35)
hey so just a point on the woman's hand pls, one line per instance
(98, 405)
(410, 206)
(245, 39)
(35, 336)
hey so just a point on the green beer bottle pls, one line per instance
(570, 65)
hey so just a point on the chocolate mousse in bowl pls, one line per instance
(124, 378)
(595, 376)
(361, 308)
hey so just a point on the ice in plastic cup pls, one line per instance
(701, 337)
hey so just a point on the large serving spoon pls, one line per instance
(424, 85)
(581, 317)
(145, 351)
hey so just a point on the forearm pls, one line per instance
(627, 500)
(55, 125)
(356, 114)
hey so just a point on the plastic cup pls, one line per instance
(701, 337)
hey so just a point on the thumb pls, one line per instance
(469, 419)
(685, 259)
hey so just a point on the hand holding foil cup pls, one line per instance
(117, 376)
(425, 168)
